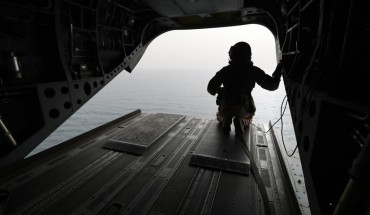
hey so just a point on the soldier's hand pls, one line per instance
(280, 65)
(279, 68)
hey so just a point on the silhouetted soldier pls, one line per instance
(238, 80)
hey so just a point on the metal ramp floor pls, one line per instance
(148, 164)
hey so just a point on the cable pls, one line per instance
(281, 115)
(282, 112)
(282, 130)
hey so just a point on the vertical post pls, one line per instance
(7, 133)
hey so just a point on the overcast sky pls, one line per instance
(208, 49)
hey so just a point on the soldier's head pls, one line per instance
(241, 51)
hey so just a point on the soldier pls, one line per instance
(238, 80)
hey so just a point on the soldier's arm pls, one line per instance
(269, 82)
(215, 83)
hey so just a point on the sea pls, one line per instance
(166, 91)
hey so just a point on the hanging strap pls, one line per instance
(256, 175)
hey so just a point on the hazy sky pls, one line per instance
(207, 49)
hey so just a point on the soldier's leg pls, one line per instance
(238, 124)
(242, 119)
(224, 116)
(247, 120)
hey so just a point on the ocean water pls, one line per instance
(164, 91)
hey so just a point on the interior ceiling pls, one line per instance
(179, 8)
(56, 55)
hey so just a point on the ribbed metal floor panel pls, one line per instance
(220, 151)
(84, 176)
